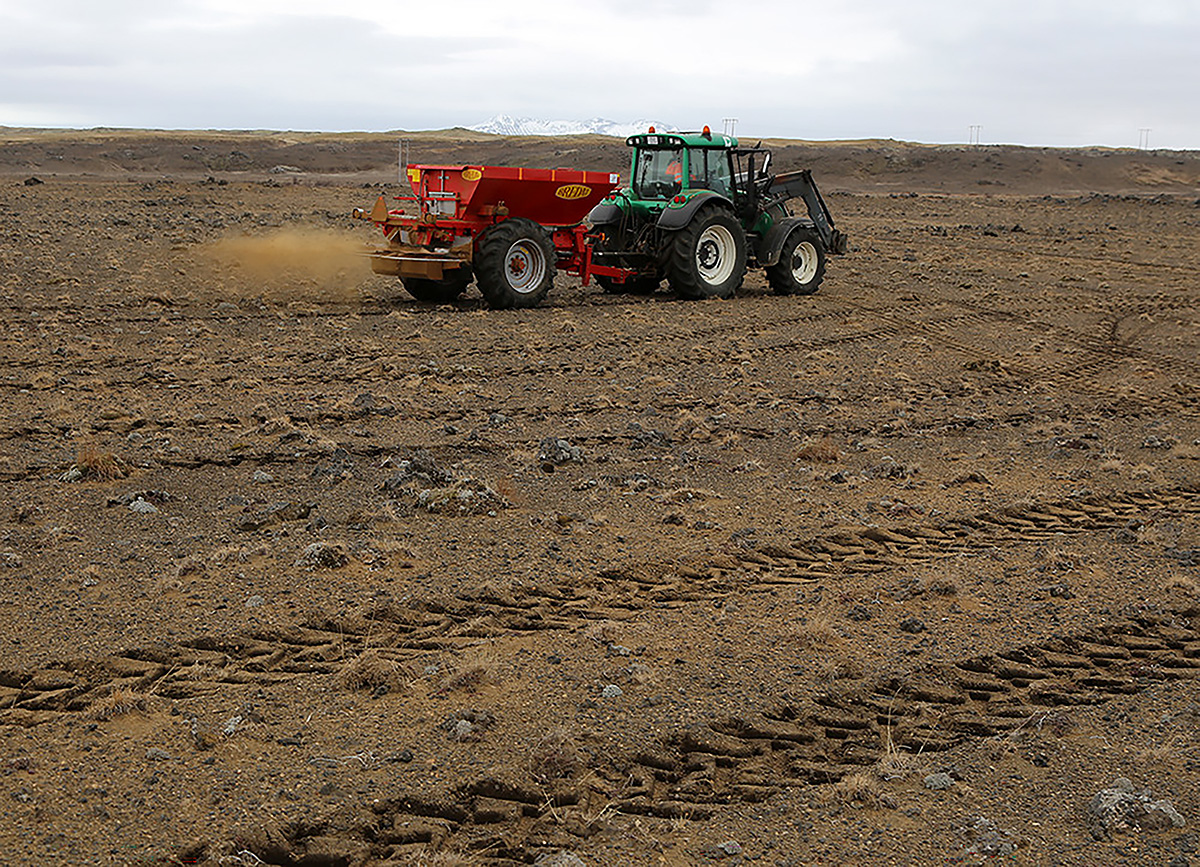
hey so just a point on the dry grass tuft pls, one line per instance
(372, 671)
(862, 788)
(943, 587)
(471, 672)
(117, 703)
(1183, 584)
(895, 764)
(554, 757)
(100, 465)
(823, 451)
(829, 670)
(815, 630)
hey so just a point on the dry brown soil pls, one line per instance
(939, 517)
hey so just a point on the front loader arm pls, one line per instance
(800, 185)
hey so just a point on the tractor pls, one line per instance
(698, 211)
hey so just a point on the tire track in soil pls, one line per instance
(178, 670)
(701, 766)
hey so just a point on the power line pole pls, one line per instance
(974, 130)
(730, 124)
(1144, 138)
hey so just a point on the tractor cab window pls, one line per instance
(659, 173)
(708, 169)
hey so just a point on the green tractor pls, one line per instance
(699, 210)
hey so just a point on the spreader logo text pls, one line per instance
(573, 191)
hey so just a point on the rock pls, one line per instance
(339, 468)
(730, 848)
(611, 691)
(1121, 808)
(285, 170)
(255, 601)
(558, 451)
(465, 497)
(939, 781)
(420, 466)
(141, 507)
(912, 625)
(10, 560)
(323, 555)
(262, 477)
(859, 614)
(33, 181)
(203, 736)
(468, 725)
(231, 725)
(988, 840)
(154, 754)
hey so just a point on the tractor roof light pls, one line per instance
(707, 132)
(652, 128)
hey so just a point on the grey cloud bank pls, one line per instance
(1051, 73)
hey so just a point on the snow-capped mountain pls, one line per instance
(503, 124)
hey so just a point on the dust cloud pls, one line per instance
(291, 261)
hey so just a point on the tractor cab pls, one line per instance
(668, 165)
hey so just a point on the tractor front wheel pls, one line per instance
(443, 291)
(801, 264)
(515, 264)
(708, 256)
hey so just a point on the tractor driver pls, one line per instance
(674, 170)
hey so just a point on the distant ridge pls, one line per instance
(503, 124)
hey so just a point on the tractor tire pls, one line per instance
(708, 256)
(443, 291)
(515, 264)
(801, 264)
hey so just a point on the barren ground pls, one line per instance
(939, 517)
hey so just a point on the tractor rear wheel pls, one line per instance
(708, 256)
(801, 264)
(443, 291)
(515, 264)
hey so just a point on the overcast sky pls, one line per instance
(1056, 72)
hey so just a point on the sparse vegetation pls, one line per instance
(470, 672)
(370, 670)
(815, 630)
(897, 764)
(554, 756)
(117, 703)
(94, 464)
(823, 451)
(862, 788)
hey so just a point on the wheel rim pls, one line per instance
(804, 262)
(524, 267)
(715, 255)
